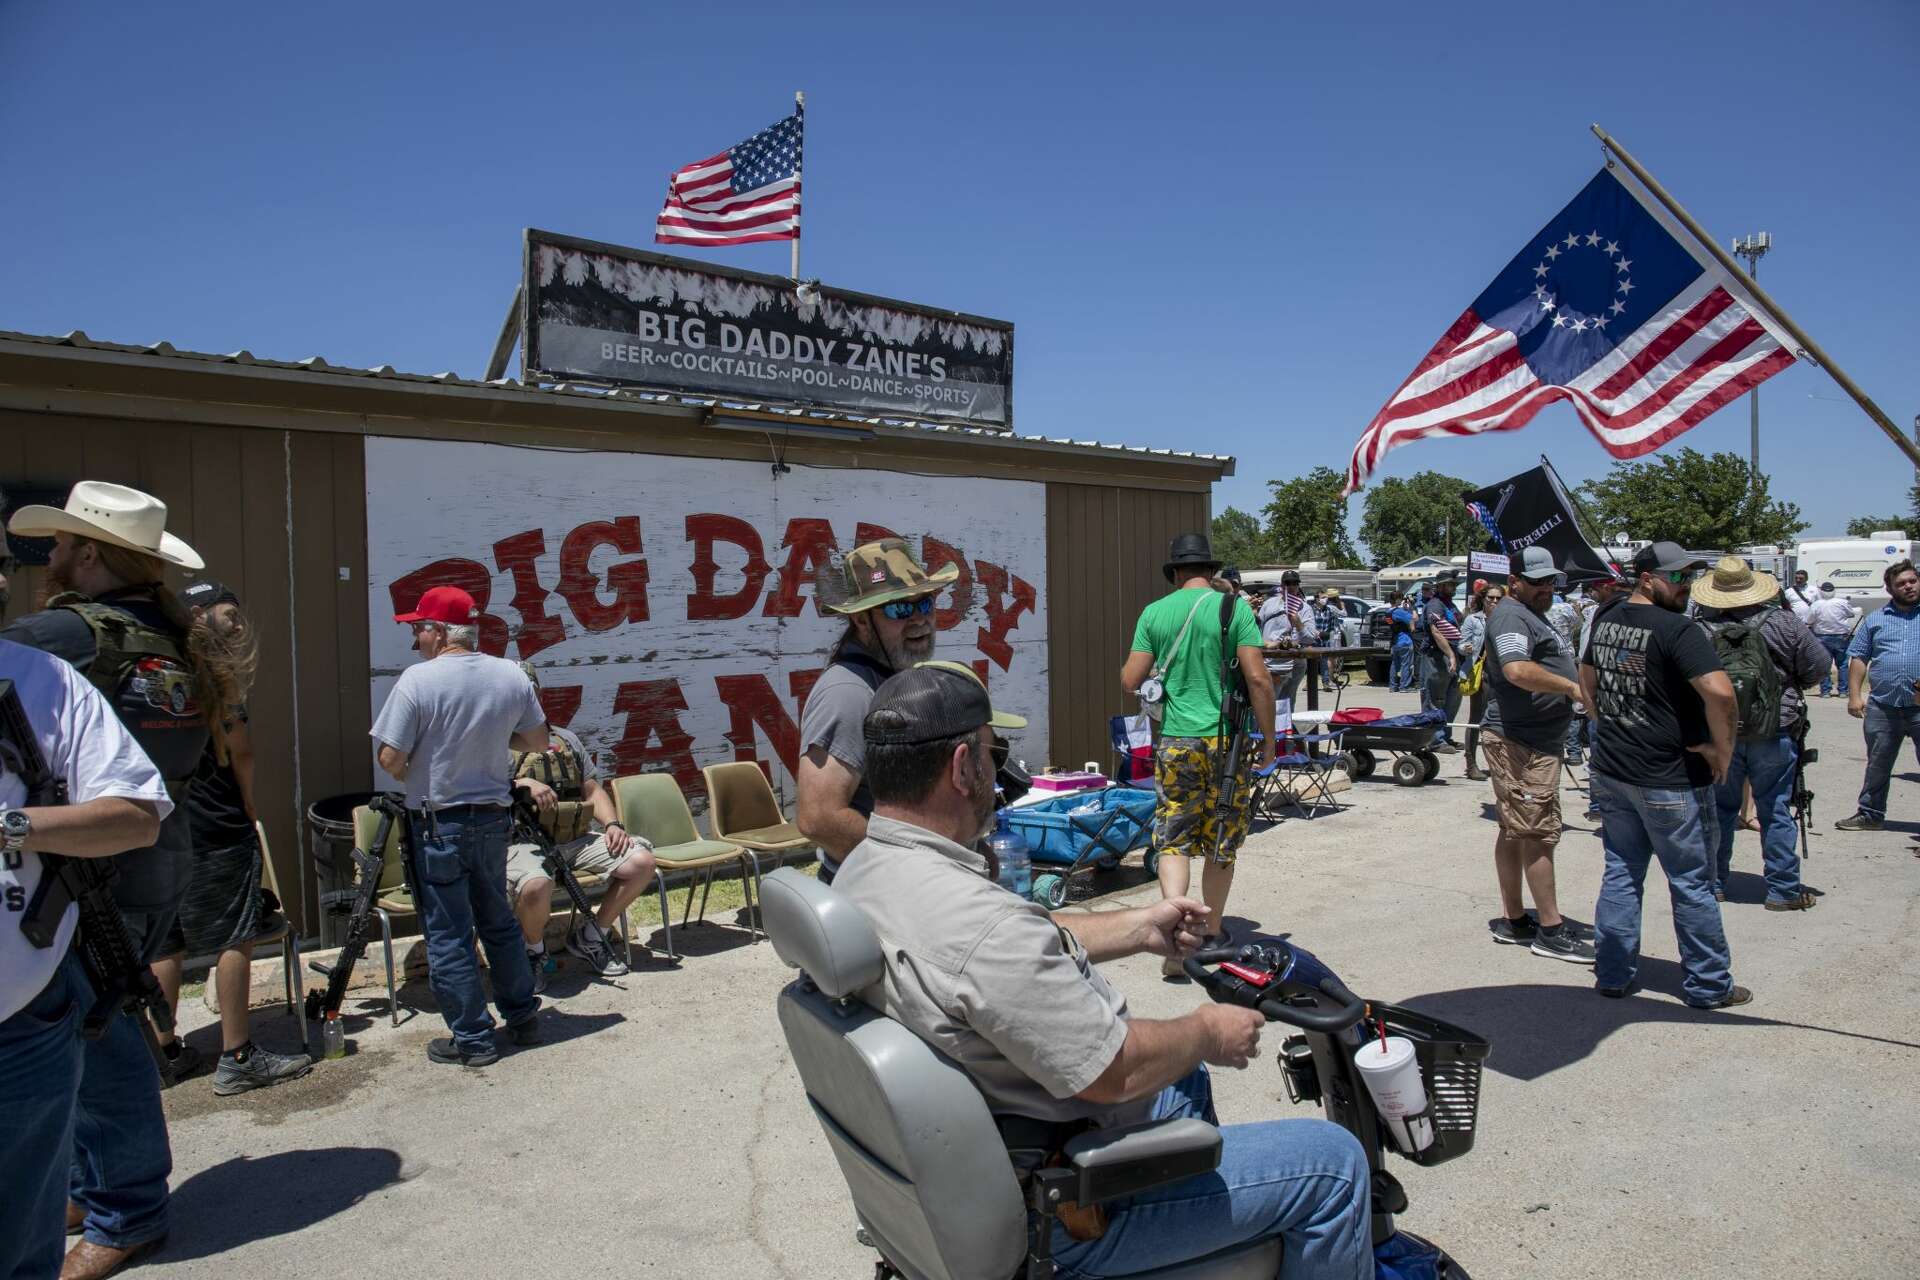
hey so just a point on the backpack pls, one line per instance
(1757, 686)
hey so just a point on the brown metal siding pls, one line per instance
(1105, 546)
(226, 489)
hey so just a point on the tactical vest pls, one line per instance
(565, 772)
(144, 673)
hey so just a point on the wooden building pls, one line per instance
(654, 558)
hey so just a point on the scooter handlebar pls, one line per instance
(1352, 1009)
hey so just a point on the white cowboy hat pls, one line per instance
(109, 513)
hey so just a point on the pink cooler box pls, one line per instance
(1078, 781)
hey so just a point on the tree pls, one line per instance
(1867, 526)
(1422, 515)
(1307, 520)
(1701, 501)
(1239, 540)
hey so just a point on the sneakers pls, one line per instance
(1858, 822)
(1475, 773)
(542, 964)
(444, 1050)
(1735, 995)
(1513, 933)
(589, 942)
(1575, 758)
(1445, 748)
(1561, 943)
(1802, 903)
(525, 1032)
(260, 1068)
(184, 1060)
(1615, 993)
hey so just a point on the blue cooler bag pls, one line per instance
(1107, 825)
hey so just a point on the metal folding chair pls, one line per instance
(1299, 780)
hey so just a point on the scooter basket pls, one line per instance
(1449, 1059)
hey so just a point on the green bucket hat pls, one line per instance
(876, 572)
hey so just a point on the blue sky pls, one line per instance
(1229, 228)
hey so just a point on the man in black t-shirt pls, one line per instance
(1664, 714)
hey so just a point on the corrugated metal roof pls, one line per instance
(621, 395)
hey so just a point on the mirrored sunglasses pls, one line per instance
(901, 610)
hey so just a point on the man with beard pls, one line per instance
(887, 600)
(1529, 674)
(1012, 996)
(110, 614)
(1664, 714)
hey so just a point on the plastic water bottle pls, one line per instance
(333, 1037)
(1016, 860)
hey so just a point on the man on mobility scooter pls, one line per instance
(1012, 997)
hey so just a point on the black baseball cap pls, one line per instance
(1231, 574)
(1665, 557)
(931, 701)
(205, 593)
(1290, 578)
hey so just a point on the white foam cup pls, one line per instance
(1392, 1076)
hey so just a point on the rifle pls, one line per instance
(1800, 801)
(1234, 705)
(526, 820)
(369, 865)
(121, 980)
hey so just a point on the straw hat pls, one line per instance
(109, 513)
(1733, 584)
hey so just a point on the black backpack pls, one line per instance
(1757, 686)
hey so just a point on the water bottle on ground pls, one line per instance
(1016, 860)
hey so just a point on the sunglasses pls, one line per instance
(1677, 576)
(901, 610)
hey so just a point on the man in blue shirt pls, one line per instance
(1400, 676)
(1885, 651)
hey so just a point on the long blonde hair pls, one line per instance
(223, 662)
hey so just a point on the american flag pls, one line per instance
(1612, 307)
(746, 193)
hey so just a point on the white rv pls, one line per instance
(1855, 566)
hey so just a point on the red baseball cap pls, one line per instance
(449, 605)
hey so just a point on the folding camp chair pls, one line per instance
(1299, 780)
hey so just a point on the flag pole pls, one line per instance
(800, 109)
(1809, 347)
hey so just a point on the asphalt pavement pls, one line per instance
(661, 1129)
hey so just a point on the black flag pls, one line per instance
(1532, 509)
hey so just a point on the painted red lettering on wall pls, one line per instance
(863, 533)
(1001, 618)
(703, 531)
(751, 703)
(653, 736)
(938, 554)
(627, 579)
(561, 703)
(809, 546)
(471, 577)
(538, 629)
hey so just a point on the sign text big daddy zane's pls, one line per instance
(670, 604)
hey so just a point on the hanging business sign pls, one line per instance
(669, 605)
(601, 313)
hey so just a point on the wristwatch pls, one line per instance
(15, 827)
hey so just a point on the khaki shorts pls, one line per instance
(1526, 788)
(1183, 770)
(587, 856)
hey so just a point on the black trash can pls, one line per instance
(330, 835)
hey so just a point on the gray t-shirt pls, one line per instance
(836, 710)
(1516, 633)
(985, 977)
(453, 717)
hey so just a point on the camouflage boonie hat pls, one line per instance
(876, 572)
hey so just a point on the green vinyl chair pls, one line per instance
(652, 807)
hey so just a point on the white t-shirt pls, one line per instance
(1829, 616)
(452, 716)
(82, 741)
(1801, 600)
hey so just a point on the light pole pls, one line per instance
(1753, 248)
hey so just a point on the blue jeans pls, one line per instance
(1885, 728)
(1638, 824)
(121, 1157)
(40, 1079)
(1769, 766)
(1400, 673)
(1439, 688)
(1837, 647)
(1305, 1181)
(462, 854)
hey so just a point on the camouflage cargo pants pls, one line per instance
(1183, 773)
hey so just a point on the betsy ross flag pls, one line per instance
(1612, 307)
(746, 193)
